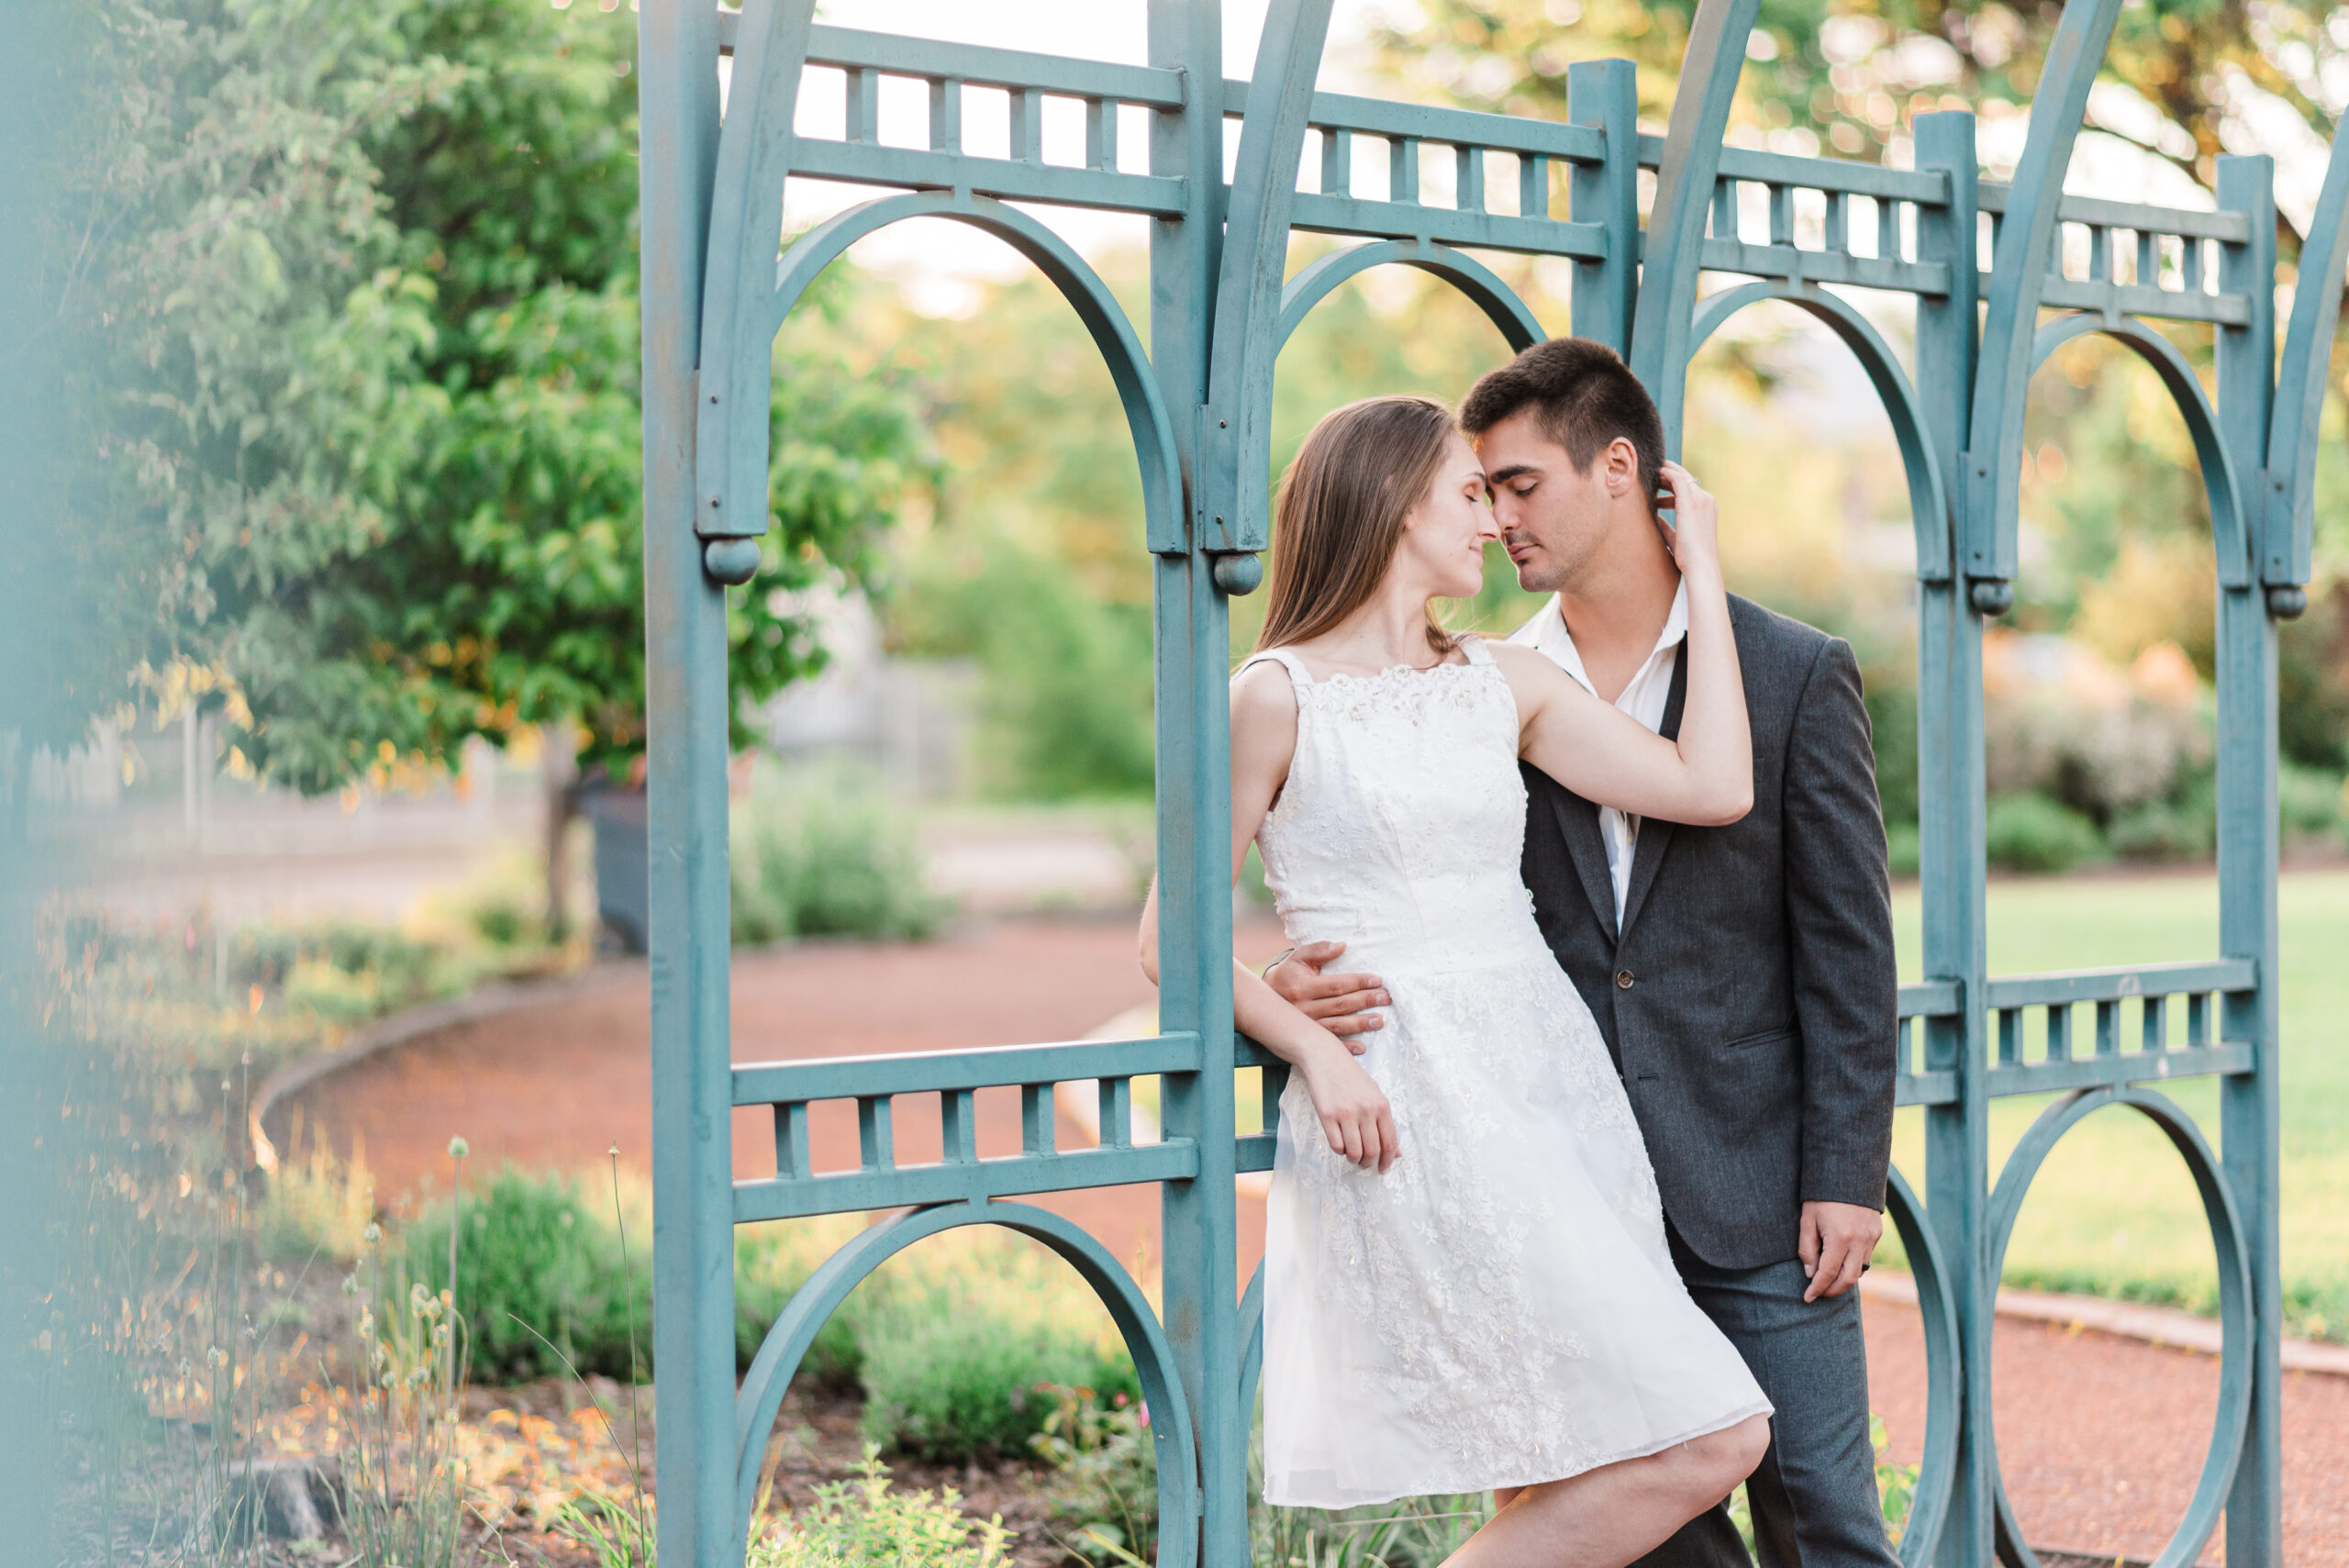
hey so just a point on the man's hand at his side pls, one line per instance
(1339, 1003)
(1836, 1240)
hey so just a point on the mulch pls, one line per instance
(2100, 1437)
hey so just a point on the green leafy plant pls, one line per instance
(1896, 1489)
(1412, 1533)
(943, 1382)
(865, 1523)
(1106, 1472)
(540, 1275)
(1896, 1485)
(613, 1532)
(948, 1340)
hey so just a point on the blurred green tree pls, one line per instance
(353, 291)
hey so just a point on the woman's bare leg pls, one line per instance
(1614, 1515)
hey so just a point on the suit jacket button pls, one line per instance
(1622, 980)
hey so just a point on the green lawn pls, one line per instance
(2113, 1211)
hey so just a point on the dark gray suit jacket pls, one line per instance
(1751, 1000)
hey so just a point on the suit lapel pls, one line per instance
(1578, 824)
(1655, 834)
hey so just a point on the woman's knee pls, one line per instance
(1722, 1459)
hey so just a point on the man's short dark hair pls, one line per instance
(1581, 395)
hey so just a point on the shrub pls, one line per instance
(953, 1346)
(948, 1340)
(2030, 832)
(2059, 721)
(539, 1269)
(862, 1524)
(771, 1263)
(2312, 802)
(819, 851)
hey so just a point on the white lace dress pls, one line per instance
(1499, 1308)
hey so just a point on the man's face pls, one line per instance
(1553, 517)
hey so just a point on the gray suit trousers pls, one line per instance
(1813, 1497)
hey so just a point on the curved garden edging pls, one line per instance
(415, 1023)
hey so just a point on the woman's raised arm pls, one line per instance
(1601, 753)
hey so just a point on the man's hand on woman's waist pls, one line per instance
(1339, 1003)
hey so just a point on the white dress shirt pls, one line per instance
(1643, 698)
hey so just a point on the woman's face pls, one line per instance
(1444, 535)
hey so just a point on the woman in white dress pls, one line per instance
(1466, 1279)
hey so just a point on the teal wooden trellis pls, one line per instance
(714, 294)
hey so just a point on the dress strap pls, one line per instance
(1474, 647)
(1297, 673)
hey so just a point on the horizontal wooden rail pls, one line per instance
(796, 1190)
(1926, 187)
(1931, 1086)
(2229, 228)
(1006, 179)
(895, 54)
(1374, 219)
(1442, 127)
(2135, 1067)
(928, 1072)
(1830, 266)
(2112, 985)
(777, 1197)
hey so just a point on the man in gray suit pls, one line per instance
(1744, 976)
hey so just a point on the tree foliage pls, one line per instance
(353, 291)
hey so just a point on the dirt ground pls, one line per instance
(2100, 1437)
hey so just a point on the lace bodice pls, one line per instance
(1399, 829)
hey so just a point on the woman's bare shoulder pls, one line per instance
(1516, 661)
(1262, 691)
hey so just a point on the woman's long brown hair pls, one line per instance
(1340, 515)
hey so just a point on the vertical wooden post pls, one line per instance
(1950, 848)
(685, 705)
(1198, 1218)
(1606, 93)
(1684, 193)
(2249, 844)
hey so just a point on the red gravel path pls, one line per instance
(2100, 1437)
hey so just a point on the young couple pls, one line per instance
(1593, 1008)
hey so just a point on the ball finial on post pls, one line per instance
(732, 562)
(1238, 572)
